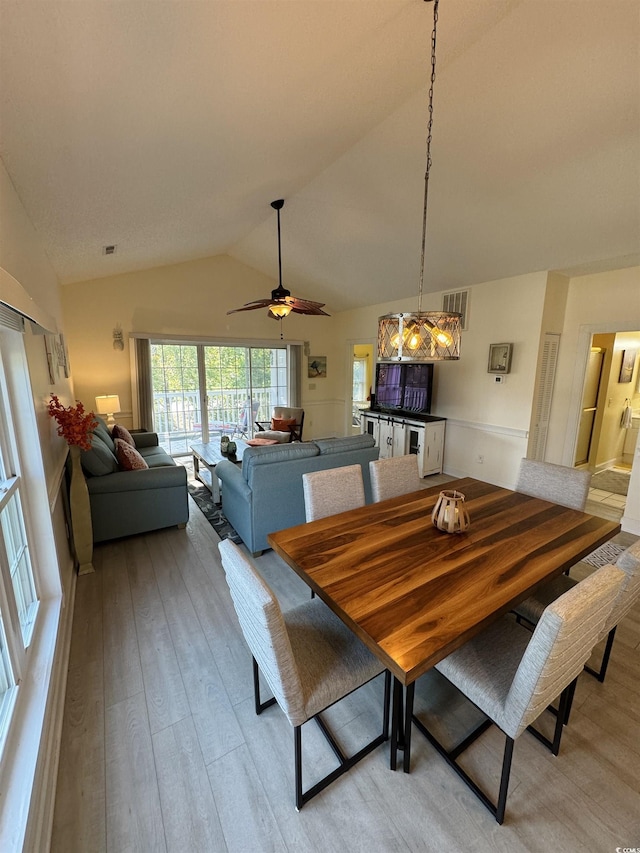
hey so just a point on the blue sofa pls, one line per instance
(128, 502)
(265, 494)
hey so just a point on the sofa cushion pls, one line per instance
(128, 457)
(102, 432)
(345, 444)
(100, 460)
(255, 456)
(118, 431)
(155, 456)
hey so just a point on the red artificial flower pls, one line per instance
(74, 425)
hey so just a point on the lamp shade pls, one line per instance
(107, 404)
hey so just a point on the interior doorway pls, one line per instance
(361, 368)
(609, 416)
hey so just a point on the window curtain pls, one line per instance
(294, 380)
(144, 389)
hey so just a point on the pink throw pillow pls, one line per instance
(259, 442)
(128, 457)
(123, 433)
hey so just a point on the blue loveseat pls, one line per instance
(128, 502)
(265, 494)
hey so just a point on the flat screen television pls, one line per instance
(403, 387)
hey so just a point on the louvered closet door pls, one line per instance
(544, 396)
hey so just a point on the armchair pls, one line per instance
(285, 425)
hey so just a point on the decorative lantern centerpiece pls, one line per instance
(449, 513)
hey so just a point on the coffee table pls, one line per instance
(206, 456)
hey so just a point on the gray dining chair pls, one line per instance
(393, 477)
(512, 675)
(307, 656)
(557, 483)
(532, 608)
(332, 491)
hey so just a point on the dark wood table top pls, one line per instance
(414, 594)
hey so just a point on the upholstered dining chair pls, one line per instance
(332, 491)
(307, 656)
(557, 483)
(532, 608)
(512, 675)
(285, 425)
(393, 477)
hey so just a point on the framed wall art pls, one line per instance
(317, 367)
(627, 365)
(500, 358)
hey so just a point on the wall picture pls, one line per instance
(628, 361)
(500, 358)
(317, 367)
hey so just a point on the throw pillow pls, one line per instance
(282, 424)
(128, 457)
(119, 431)
(259, 442)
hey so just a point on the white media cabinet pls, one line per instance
(397, 435)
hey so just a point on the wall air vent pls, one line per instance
(109, 250)
(458, 301)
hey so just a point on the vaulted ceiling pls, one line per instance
(166, 128)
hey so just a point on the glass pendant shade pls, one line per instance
(423, 336)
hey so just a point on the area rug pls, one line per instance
(212, 512)
(607, 553)
(611, 481)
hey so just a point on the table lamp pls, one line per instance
(107, 405)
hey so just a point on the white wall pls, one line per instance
(484, 419)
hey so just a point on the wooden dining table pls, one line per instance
(413, 594)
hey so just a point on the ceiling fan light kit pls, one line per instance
(282, 303)
(423, 336)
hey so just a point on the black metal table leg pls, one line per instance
(408, 713)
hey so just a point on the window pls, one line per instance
(18, 597)
(360, 391)
(201, 390)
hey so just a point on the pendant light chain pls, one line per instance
(428, 167)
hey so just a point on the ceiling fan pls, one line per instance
(282, 302)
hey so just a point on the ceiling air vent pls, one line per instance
(109, 250)
(458, 301)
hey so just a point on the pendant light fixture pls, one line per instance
(430, 335)
(282, 303)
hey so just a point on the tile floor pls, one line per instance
(610, 498)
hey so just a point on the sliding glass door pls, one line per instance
(203, 390)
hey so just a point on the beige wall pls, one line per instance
(191, 300)
(24, 258)
(610, 436)
(603, 302)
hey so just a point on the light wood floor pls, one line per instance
(162, 751)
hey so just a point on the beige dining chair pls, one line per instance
(393, 477)
(332, 491)
(512, 675)
(307, 656)
(532, 608)
(557, 483)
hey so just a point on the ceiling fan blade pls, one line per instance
(299, 301)
(309, 310)
(250, 306)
